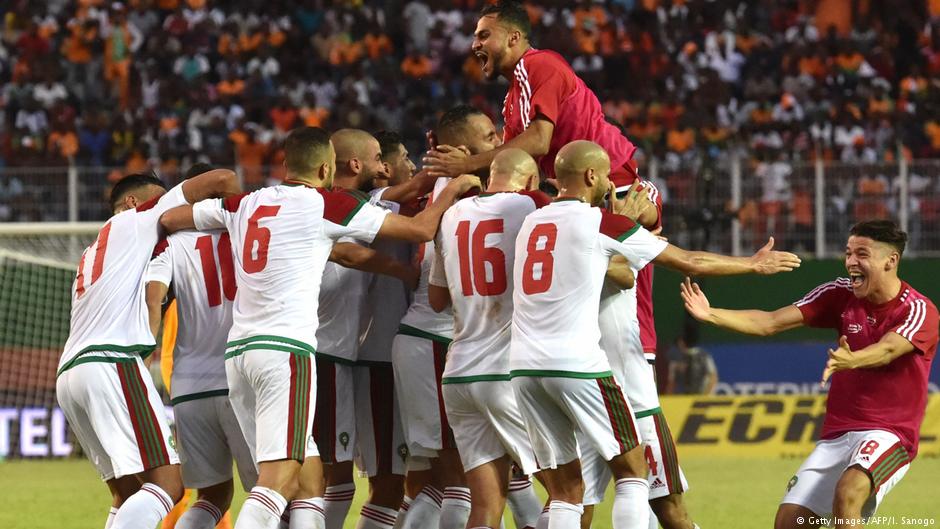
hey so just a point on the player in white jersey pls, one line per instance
(281, 238)
(471, 270)
(561, 376)
(102, 384)
(199, 267)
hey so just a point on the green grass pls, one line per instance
(726, 493)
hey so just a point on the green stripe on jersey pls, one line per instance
(474, 378)
(557, 373)
(271, 338)
(142, 350)
(335, 359)
(196, 396)
(265, 346)
(352, 213)
(647, 413)
(408, 330)
(628, 233)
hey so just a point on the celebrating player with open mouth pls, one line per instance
(888, 337)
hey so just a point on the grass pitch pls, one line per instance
(726, 493)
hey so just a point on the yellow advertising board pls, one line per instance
(779, 426)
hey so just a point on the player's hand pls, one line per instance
(446, 160)
(432, 140)
(464, 183)
(840, 359)
(695, 301)
(636, 202)
(767, 261)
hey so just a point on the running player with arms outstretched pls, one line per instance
(879, 370)
(561, 376)
(103, 386)
(281, 239)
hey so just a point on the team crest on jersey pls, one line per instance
(854, 328)
(792, 483)
(344, 439)
(403, 451)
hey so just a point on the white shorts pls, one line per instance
(117, 415)
(879, 452)
(381, 448)
(554, 407)
(487, 424)
(209, 439)
(665, 475)
(334, 423)
(273, 394)
(419, 364)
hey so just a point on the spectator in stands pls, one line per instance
(692, 369)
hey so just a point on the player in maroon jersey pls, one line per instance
(879, 371)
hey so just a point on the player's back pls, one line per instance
(109, 311)
(478, 247)
(202, 272)
(342, 293)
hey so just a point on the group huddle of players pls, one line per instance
(451, 333)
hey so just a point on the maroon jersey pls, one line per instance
(891, 397)
(544, 84)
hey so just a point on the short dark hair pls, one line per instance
(303, 149)
(388, 142)
(512, 13)
(885, 231)
(132, 182)
(197, 169)
(454, 119)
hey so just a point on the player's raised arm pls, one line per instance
(351, 255)
(211, 184)
(423, 226)
(765, 262)
(756, 322)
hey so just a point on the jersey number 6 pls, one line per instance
(254, 259)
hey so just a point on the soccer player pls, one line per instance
(887, 341)
(474, 255)
(199, 268)
(102, 384)
(547, 105)
(561, 376)
(281, 238)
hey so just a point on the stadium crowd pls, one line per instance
(161, 84)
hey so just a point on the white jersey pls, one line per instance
(109, 308)
(562, 254)
(281, 239)
(200, 268)
(476, 247)
(387, 299)
(342, 295)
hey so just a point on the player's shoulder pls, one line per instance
(616, 226)
(911, 297)
(541, 58)
(838, 286)
(538, 198)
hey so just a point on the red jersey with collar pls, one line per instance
(544, 84)
(891, 397)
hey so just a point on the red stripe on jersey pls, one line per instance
(337, 205)
(541, 199)
(160, 248)
(613, 225)
(148, 204)
(231, 203)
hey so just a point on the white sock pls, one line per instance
(261, 510)
(524, 504)
(455, 509)
(402, 511)
(631, 504)
(425, 509)
(542, 522)
(307, 514)
(145, 508)
(202, 515)
(376, 517)
(110, 520)
(337, 499)
(654, 522)
(565, 515)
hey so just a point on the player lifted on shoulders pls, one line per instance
(281, 238)
(887, 341)
(102, 384)
(561, 376)
(199, 268)
(472, 270)
(547, 106)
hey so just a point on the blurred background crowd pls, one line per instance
(161, 84)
